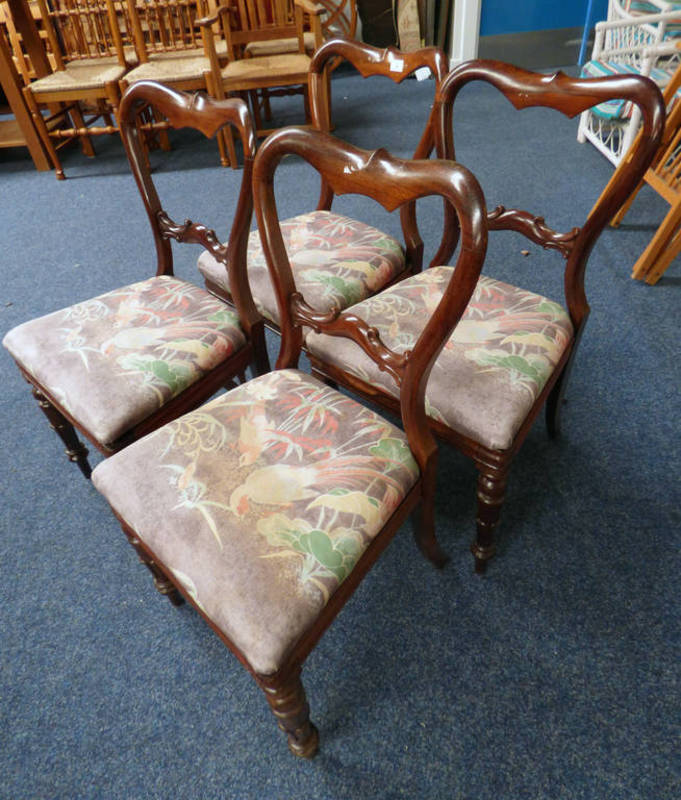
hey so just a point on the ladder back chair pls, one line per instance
(513, 349)
(86, 43)
(120, 365)
(171, 46)
(243, 22)
(358, 260)
(267, 506)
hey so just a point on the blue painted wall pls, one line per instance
(515, 16)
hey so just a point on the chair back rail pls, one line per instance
(570, 96)
(208, 116)
(391, 182)
(397, 66)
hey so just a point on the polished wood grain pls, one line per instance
(569, 96)
(207, 116)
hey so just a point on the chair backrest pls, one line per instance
(166, 26)
(570, 96)
(84, 29)
(339, 19)
(208, 116)
(248, 21)
(390, 63)
(391, 182)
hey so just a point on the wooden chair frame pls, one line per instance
(208, 116)
(372, 61)
(391, 182)
(91, 39)
(240, 23)
(570, 96)
(664, 177)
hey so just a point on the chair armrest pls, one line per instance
(224, 8)
(314, 9)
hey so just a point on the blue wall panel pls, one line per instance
(514, 16)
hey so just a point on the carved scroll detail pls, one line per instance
(334, 323)
(193, 233)
(534, 228)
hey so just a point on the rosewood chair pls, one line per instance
(122, 364)
(358, 259)
(512, 352)
(86, 41)
(267, 506)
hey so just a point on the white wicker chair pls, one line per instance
(628, 42)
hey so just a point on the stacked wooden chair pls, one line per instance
(86, 41)
(120, 365)
(266, 507)
(512, 351)
(664, 177)
(241, 25)
(174, 46)
(358, 259)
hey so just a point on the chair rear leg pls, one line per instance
(85, 140)
(286, 698)
(491, 493)
(75, 449)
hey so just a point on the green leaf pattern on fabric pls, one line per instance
(311, 471)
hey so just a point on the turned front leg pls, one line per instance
(75, 449)
(491, 492)
(286, 697)
(162, 582)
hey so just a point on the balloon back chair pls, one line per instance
(356, 259)
(122, 364)
(513, 349)
(267, 506)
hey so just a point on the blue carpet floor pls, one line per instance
(556, 675)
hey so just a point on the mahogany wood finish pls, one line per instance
(570, 96)
(208, 116)
(397, 66)
(391, 182)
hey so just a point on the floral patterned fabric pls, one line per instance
(262, 501)
(489, 372)
(113, 360)
(336, 261)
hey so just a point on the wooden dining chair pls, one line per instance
(357, 259)
(241, 23)
(172, 48)
(513, 349)
(267, 506)
(86, 46)
(122, 364)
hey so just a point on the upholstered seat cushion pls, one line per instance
(619, 109)
(113, 360)
(80, 76)
(260, 503)
(180, 68)
(492, 368)
(336, 261)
